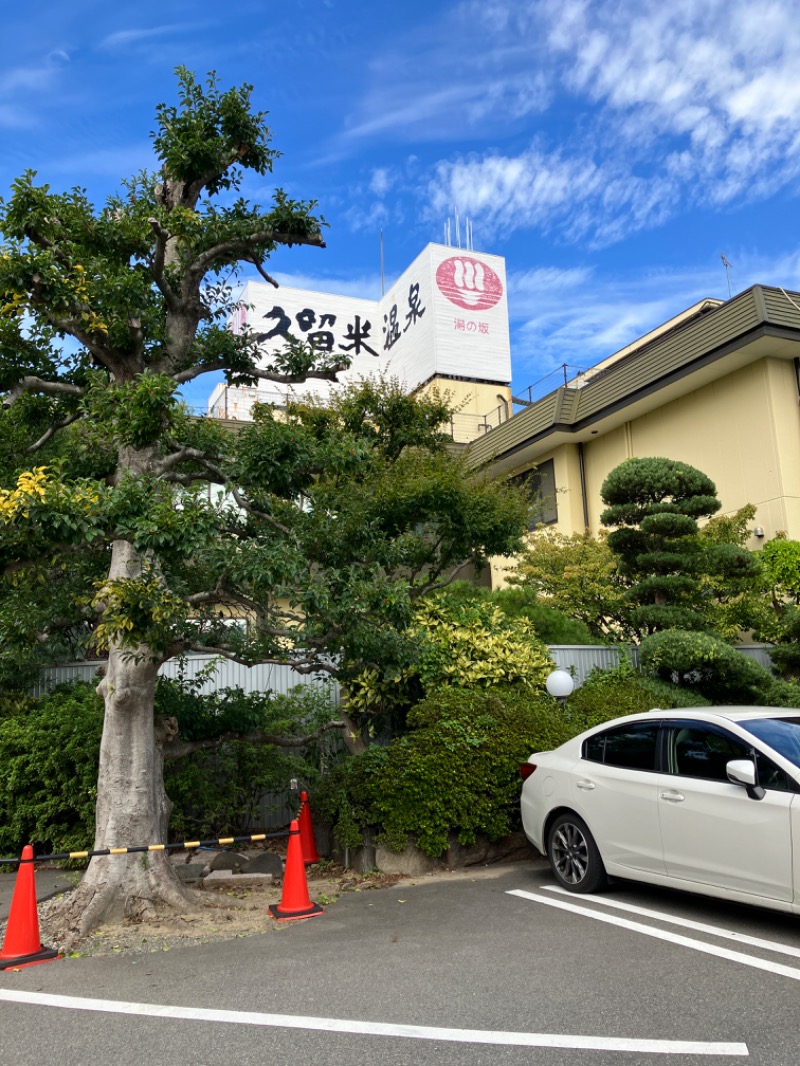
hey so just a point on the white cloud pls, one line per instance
(578, 316)
(381, 181)
(126, 38)
(659, 105)
(577, 196)
(24, 87)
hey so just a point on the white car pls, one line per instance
(705, 800)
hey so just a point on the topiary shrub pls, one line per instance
(456, 770)
(607, 694)
(717, 670)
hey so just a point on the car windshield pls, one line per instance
(782, 734)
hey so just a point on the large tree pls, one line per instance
(653, 505)
(129, 527)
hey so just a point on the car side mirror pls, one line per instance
(743, 772)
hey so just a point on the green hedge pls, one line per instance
(456, 770)
(48, 755)
(716, 669)
(49, 750)
(607, 694)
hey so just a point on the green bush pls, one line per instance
(455, 771)
(607, 694)
(551, 625)
(218, 791)
(49, 751)
(714, 668)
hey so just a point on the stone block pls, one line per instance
(265, 862)
(227, 860)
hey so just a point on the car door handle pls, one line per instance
(584, 785)
(672, 796)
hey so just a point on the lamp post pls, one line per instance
(560, 684)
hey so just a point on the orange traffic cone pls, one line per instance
(295, 900)
(22, 946)
(310, 853)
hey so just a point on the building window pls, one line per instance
(540, 484)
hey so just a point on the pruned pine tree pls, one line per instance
(653, 506)
(130, 528)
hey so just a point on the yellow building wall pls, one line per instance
(743, 430)
(478, 406)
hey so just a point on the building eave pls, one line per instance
(757, 323)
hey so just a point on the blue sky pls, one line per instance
(611, 151)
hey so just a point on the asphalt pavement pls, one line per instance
(48, 883)
(497, 968)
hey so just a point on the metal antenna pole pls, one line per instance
(728, 267)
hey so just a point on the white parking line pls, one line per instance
(413, 1032)
(687, 923)
(664, 934)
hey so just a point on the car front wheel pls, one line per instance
(573, 854)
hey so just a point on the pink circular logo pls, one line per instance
(469, 283)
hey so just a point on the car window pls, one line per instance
(630, 746)
(782, 734)
(697, 751)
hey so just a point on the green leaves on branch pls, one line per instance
(579, 575)
(654, 505)
(137, 413)
(208, 131)
(454, 644)
(456, 772)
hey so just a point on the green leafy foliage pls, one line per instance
(456, 771)
(607, 694)
(49, 749)
(714, 668)
(454, 641)
(579, 575)
(217, 791)
(551, 625)
(654, 504)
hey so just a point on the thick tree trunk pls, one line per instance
(132, 806)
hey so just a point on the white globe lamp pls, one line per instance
(560, 684)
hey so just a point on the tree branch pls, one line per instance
(51, 432)
(245, 505)
(157, 265)
(192, 372)
(181, 456)
(30, 383)
(176, 748)
(309, 664)
(243, 248)
(259, 265)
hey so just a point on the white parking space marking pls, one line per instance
(663, 934)
(413, 1032)
(687, 923)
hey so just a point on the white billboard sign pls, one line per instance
(446, 316)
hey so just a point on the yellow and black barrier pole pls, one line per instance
(186, 845)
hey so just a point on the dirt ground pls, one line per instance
(224, 912)
(228, 911)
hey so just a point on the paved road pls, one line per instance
(460, 961)
(48, 883)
